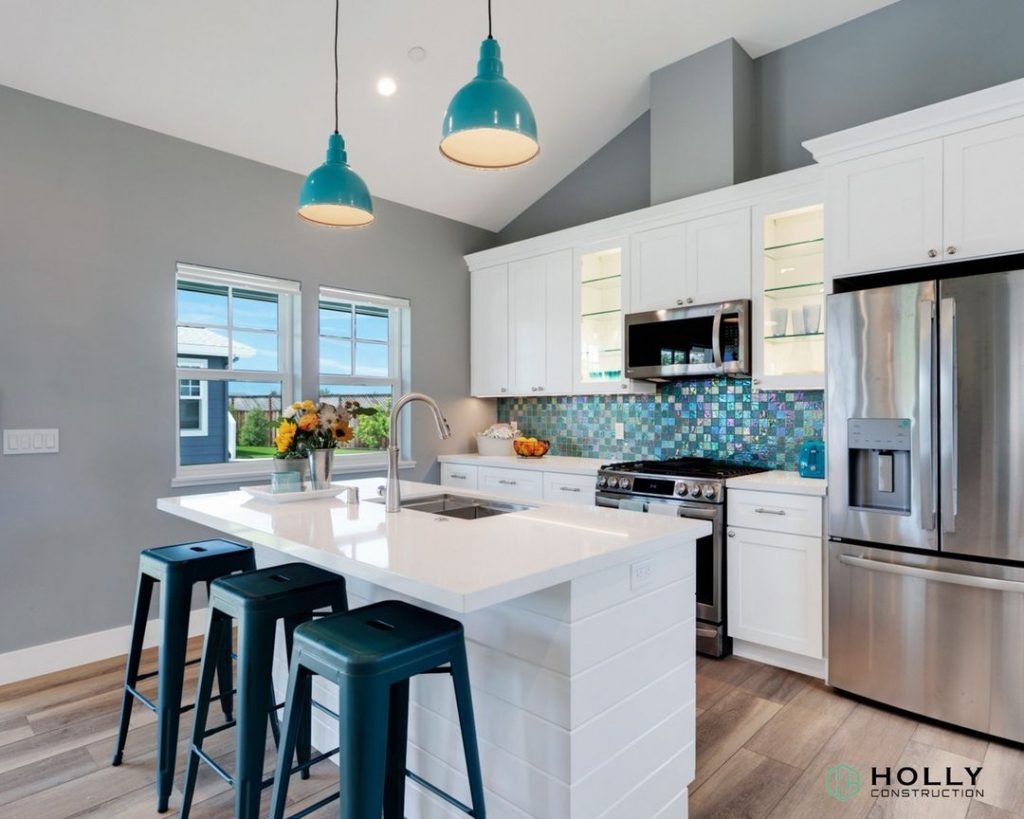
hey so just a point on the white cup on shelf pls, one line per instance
(797, 321)
(812, 318)
(779, 319)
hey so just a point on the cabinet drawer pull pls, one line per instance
(762, 511)
(568, 489)
(458, 477)
(933, 253)
(951, 250)
(506, 482)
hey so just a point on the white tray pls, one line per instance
(263, 493)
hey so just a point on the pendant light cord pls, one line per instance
(337, 14)
(489, 35)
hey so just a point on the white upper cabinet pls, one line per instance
(984, 190)
(718, 257)
(489, 351)
(659, 269)
(700, 261)
(540, 324)
(885, 210)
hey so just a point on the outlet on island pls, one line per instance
(641, 573)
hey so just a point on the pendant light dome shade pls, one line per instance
(334, 194)
(489, 123)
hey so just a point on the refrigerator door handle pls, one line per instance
(949, 400)
(974, 581)
(926, 411)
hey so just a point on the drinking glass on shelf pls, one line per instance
(779, 321)
(812, 318)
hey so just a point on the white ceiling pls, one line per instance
(255, 77)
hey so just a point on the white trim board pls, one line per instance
(34, 661)
(811, 666)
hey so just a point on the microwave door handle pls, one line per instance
(949, 413)
(926, 410)
(716, 338)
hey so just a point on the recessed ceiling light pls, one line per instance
(386, 86)
(417, 54)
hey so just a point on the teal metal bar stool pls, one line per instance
(256, 600)
(371, 653)
(177, 569)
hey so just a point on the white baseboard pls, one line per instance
(782, 659)
(34, 661)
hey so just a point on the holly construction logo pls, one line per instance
(842, 782)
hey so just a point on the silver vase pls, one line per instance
(321, 462)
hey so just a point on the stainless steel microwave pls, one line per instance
(708, 339)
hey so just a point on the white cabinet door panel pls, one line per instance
(885, 210)
(489, 352)
(566, 488)
(718, 257)
(527, 325)
(776, 512)
(558, 355)
(984, 191)
(517, 483)
(658, 269)
(459, 475)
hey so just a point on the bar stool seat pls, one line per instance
(371, 653)
(177, 569)
(256, 600)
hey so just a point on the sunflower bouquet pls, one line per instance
(307, 425)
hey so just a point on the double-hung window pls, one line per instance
(364, 362)
(236, 366)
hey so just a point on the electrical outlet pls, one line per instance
(641, 573)
(31, 441)
(620, 430)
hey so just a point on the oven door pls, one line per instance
(710, 549)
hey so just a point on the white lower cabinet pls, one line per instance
(774, 573)
(519, 483)
(459, 475)
(560, 487)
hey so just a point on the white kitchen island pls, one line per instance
(580, 632)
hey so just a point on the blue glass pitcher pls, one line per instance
(812, 459)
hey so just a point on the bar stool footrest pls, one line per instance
(447, 797)
(315, 807)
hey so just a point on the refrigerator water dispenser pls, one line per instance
(879, 458)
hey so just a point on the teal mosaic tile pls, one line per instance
(712, 418)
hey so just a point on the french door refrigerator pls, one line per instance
(926, 498)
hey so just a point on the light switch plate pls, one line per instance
(31, 441)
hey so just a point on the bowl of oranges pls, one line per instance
(530, 447)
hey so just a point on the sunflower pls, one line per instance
(342, 432)
(308, 422)
(285, 436)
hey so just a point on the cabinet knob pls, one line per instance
(679, 301)
(755, 380)
(951, 250)
(731, 533)
(504, 389)
(933, 253)
(625, 386)
(689, 299)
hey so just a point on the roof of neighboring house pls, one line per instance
(203, 341)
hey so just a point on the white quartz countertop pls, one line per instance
(462, 565)
(780, 481)
(548, 463)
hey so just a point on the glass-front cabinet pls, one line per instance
(789, 294)
(601, 302)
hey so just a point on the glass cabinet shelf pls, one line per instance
(609, 281)
(794, 336)
(792, 291)
(794, 250)
(598, 313)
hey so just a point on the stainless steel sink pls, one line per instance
(460, 506)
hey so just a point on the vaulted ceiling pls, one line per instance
(255, 77)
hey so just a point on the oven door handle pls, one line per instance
(716, 338)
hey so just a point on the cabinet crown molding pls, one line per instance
(994, 104)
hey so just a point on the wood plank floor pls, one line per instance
(764, 739)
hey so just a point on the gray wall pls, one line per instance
(715, 84)
(900, 57)
(93, 216)
(614, 180)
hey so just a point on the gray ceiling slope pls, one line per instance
(254, 77)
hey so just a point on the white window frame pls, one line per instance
(288, 363)
(204, 407)
(399, 360)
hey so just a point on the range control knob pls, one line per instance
(602, 480)
(624, 483)
(682, 489)
(708, 490)
(613, 482)
(695, 490)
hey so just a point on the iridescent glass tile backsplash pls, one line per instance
(710, 418)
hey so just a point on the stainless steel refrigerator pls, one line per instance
(926, 498)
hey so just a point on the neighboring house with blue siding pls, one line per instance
(206, 428)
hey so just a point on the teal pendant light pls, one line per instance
(334, 194)
(489, 123)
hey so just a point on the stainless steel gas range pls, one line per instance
(689, 488)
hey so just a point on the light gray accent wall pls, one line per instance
(904, 56)
(694, 107)
(612, 181)
(94, 214)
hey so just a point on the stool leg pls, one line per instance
(464, 702)
(224, 680)
(219, 627)
(363, 706)
(143, 595)
(255, 665)
(175, 601)
(304, 743)
(297, 703)
(398, 740)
